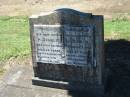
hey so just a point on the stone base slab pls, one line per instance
(97, 90)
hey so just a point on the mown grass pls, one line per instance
(117, 28)
(15, 40)
(14, 37)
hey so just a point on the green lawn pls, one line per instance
(14, 37)
(119, 29)
(15, 40)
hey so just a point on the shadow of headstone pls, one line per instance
(117, 53)
(118, 62)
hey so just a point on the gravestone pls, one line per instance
(67, 50)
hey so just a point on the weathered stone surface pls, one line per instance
(67, 45)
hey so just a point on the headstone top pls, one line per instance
(63, 16)
(72, 11)
(63, 11)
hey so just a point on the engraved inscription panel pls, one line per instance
(60, 44)
(78, 42)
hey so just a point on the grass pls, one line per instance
(14, 37)
(117, 28)
(15, 41)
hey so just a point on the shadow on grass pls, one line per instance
(118, 62)
(117, 53)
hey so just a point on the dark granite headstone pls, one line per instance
(67, 49)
